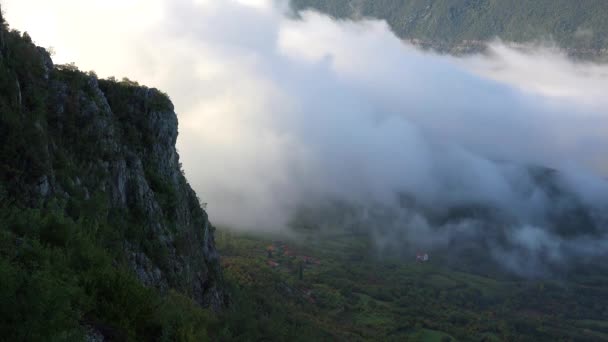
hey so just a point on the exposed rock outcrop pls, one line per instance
(105, 149)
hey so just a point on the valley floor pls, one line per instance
(314, 286)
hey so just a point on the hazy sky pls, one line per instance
(275, 112)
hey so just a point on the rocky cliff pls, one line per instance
(101, 154)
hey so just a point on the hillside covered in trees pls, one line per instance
(464, 25)
(101, 236)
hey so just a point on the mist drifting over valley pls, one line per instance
(277, 113)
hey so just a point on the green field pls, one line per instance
(348, 292)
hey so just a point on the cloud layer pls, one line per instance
(278, 113)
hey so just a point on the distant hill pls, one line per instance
(458, 26)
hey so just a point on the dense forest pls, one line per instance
(463, 25)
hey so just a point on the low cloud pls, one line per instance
(277, 114)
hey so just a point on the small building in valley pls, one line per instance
(422, 257)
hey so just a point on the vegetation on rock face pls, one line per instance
(462, 25)
(100, 233)
(61, 277)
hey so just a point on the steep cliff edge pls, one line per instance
(93, 162)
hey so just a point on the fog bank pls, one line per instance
(278, 113)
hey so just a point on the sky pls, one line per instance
(277, 113)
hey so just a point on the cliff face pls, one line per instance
(103, 152)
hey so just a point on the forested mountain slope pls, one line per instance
(464, 25)
(100, 233)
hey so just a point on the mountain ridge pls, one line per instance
(460, 26)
